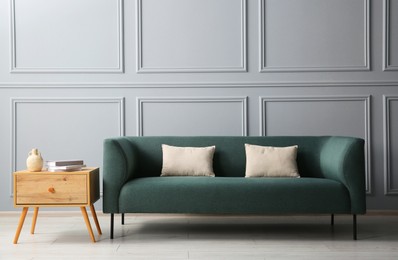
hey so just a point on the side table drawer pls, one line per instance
(56, 189)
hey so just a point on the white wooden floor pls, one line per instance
(63, 235)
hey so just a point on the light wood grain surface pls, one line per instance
(201, 237)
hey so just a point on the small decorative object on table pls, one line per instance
(65, 165)
(34, 163)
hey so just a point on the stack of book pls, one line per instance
(65, 165)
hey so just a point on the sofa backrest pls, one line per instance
(229, 158)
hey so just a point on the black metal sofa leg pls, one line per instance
(112, 224)
(354, 226)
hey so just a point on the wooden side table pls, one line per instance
(56, 189)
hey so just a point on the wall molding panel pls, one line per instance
(388, 134)
(240, 101)
(81, 51)
(43, 121)
(194, 85)
(365, 100)
(386, 37)
(363, 65)
(206, 60)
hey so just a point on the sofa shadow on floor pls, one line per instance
(267, 228)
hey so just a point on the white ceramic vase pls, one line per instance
(34, 163)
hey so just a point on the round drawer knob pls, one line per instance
(51, 189)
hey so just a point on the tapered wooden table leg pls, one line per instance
(32, 229)
(90, 230)
(95, 219)
(20, 224)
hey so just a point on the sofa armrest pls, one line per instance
(118, 167)
(343, 159)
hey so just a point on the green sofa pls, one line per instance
(332, 171)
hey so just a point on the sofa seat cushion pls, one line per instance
(234, 195)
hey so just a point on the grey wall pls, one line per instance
(73, 72)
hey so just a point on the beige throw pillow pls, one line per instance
(268, 161)
(187, 161)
